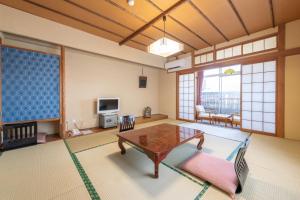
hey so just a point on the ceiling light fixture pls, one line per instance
(165, 46)
(130, 2)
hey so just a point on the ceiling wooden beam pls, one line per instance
(238, 16)
(155, 19)
(207, 19)
(104, 17)
(143, 20)
(79, 20)
(181, 24)
(190, 30)
(272, 12)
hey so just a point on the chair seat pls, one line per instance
(203, 114)
(218, 172)
(236, 118)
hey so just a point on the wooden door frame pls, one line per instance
(61, 119)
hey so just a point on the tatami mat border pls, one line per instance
(94, 194)
(88, 184)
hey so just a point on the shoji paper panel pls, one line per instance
(259, 96)
(30, 85)
(187, 96)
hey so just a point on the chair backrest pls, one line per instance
(241, 167)
(19, 135)
(126, 123)
(200, 108)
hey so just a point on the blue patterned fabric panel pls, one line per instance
(30, 85)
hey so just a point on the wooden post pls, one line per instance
(280, 83)
(0, 83)
(62, 121)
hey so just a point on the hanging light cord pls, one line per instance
(164, 19)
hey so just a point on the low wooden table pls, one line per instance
(157, 141)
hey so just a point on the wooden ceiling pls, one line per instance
(195, 23)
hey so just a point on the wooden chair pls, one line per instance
(126, 123)
(19, 135)
(202, 114)
(241, 168)
(235, 119)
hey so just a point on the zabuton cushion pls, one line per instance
(218, 172)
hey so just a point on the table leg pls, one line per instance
(156, 158)
(123, 150)
(199, 146)
(156, 164)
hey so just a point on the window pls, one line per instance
(259, 97)
(221, 89)
(187, 96)
(247, 48)
(204, 58)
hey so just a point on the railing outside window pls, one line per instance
(221, 90)
(228, 104)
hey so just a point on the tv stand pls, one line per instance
(108, 120)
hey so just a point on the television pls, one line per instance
(108, 105)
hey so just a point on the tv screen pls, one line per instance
(108, 105)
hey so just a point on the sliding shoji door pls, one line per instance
(259, 97)
(186, 98)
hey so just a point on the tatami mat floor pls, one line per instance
(40, 172)
(48, 172)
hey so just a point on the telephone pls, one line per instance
(76, 131)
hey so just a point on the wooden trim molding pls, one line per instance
(280, 96)
(177, 95)
(26, 49)
(62, 122)
(280, 76)
(258, 132)
(281, 37)
(1, 81)
(37, 120)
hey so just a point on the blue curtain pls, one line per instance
(30, 85)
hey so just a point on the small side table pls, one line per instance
(218, 118)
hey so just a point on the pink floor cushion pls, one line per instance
(218, 172)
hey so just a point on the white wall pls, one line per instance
(89, 76)
(167, 94)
